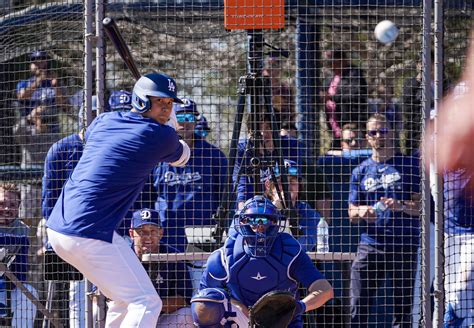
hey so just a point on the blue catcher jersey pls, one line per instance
(121, 151)
(458, 202)
(396, 178)
(249, 278)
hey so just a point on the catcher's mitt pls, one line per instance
(275, 309)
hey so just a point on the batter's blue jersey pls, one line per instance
(249, 278)
(397, 178)
(60, 161)
(121, 151)
(458, 202)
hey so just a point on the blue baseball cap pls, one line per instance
(120, 100)
(145, 216)
(187, 106)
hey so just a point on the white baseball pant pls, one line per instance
(116, 271)
(459, 275)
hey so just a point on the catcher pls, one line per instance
(253, 279)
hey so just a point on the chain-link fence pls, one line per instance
(319, 116)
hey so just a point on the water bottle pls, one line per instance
(322, 245)
(380, 208)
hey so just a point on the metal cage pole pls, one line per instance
(89, 37)
(425, 218)
(438, 311)
(100, 56)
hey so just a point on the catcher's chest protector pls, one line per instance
(252, 277)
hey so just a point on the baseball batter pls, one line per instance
(121, 150)
(255, 260)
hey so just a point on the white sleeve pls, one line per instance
(184, 156)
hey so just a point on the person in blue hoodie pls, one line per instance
(190, 195)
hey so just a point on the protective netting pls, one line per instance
(319, 113)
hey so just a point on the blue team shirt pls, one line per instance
(121, 150)
(290, 149)
(248, 278)
(458, 203)
(14, 238)
(190, 195)
(60, 161)
(396, 178)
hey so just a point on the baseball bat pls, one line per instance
(120, 45)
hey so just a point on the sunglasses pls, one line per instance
(186, 118)
(373, 133)
(351, 140)
(254, 220)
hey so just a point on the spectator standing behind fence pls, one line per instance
(345, 97)
(351, 143)
(121, 151)
(282, 93)
(388, 248)
(302, 218)
(250, 264)
(189, 195)
(14, 242)
(170, 279)
(35, 134)
(41, 92)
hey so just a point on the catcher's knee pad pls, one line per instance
(211, 307)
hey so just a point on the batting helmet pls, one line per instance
(156, 85)
(259, 222)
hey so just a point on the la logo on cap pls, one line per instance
(145, 215)
(171, 86)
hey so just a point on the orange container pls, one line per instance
(254, 14)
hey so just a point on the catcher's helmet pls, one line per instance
(156, 85)
(259, 222)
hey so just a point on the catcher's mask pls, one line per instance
(259, 222)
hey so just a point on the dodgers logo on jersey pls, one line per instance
(145, 215)
(386, 181)
(171, 86)
(174, 178)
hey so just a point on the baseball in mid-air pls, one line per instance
(386, 32)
